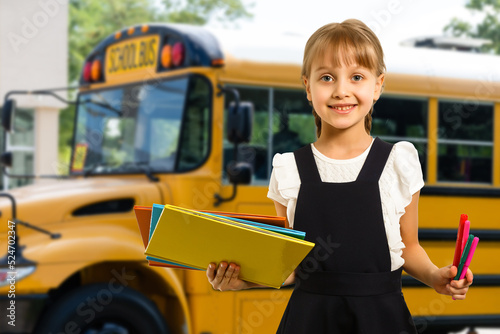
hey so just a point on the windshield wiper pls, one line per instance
(142, 166)
(96, 165)
(102, 105)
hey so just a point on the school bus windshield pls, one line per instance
(149, 126)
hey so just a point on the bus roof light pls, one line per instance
(130, 30)
(178, 54)
(145, 28)
(166, 56)
(86, 71)
(219, 62)
(96, 70)
(118, 35)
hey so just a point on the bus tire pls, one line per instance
(95, 308)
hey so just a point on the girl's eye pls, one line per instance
(357, 77)
(326, 78)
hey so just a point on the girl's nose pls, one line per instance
(340, 90)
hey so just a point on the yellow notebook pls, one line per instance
(195, 239)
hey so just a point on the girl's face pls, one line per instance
(342, 96)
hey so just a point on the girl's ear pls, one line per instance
(379, 84)
(305, 81)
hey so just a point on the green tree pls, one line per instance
(90, 21)
(489, 28)
(199, 12)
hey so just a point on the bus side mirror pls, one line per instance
(6, 159)
(238, 130)
(239, 122)
(8, 111)
(239, 173)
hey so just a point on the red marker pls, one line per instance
(460, 234)
(466, 234)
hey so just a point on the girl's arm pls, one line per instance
(418, 264)
(226, 276)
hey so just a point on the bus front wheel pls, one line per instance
(97, 309)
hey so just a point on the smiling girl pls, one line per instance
(352, 191)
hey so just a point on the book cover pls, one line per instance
(194, 239)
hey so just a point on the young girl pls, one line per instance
(356, 197)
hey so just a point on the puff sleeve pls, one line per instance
(285, 183)
(402, 178)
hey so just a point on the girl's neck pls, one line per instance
(343, 145)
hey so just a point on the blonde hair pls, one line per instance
(353, 42)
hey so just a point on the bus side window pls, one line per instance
(402, 119)
(293, 122)
(465, 142)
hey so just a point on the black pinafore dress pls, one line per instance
(345, 285)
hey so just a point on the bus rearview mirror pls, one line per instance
(239, 173)
(239, 122)
(6, 159)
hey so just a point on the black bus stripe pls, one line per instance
(460, 191)
(479, 280)
(431, 234)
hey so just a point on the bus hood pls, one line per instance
(58, 201)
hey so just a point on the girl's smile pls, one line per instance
(343, 108)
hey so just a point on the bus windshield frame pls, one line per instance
(144, 127)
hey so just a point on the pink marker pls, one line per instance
(466, 234)
(469, 257)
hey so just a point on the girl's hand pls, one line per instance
(445, 284)
(225, 277)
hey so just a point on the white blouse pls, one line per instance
(400, 179)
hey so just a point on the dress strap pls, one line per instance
(375, 161)
(306, 165)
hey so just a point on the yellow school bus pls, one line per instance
(186, 116)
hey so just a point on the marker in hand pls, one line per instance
(469, 257)
(465, 234)
(460, 234)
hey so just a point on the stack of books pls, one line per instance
(265, 250)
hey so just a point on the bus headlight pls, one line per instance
(11, 277)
